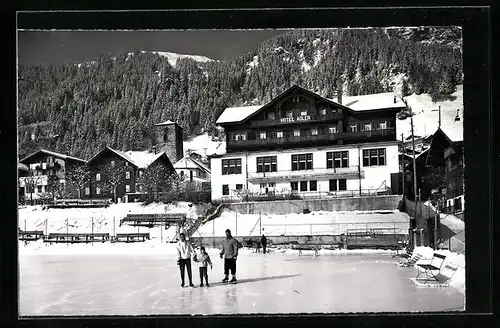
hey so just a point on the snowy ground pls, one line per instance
(133, 284)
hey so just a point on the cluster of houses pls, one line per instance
(109, 174)
(298, 145)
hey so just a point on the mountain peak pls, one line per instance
(173, 57)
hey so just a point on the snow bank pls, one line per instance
(318, 223)
(457, 281)
(103, 220)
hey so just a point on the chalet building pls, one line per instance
(167, 149)
(446, 153)
(128, 188)
(192, 170)
(301, 143)
(44, 176)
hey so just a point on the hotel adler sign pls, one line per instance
(293, 119)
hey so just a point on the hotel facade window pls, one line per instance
(239, 186)
(279, 134)
(296, 133)
(337, 184)
(271, 116)
(337, 159)
(127, 175)
(383, 125)
(225, 190)
(98, 191)
(98, 177)
(302, 162)
(267, 164)
(112, 163)
(374, 157)
(262, 135)
(127, 188)
(368, 126)
(303, 112)
(332, 129)
(87, 191)
(231, 166)
(303, 185)
(313, 185)
(289, 114)
(314, 132)
(294, 185)
(322, 111)
(354, 128)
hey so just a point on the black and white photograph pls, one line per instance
(244, 171)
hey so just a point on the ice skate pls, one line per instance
(233, 280)
(226, 279)
(201, 285)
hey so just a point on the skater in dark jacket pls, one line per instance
(263, 242)
(229, 252)
(184, 252)
(203, 261)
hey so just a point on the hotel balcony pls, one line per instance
(298, 119)
(350, 172)
(360, 136)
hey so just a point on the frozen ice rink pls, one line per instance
(271, 283)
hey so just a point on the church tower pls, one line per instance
(169, 138)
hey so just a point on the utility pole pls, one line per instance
(403, 163)
(436, 224)
(414, 162)
(414, 173)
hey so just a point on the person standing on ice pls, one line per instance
(204, 261)
(184, 252)
(229, 252)
(263, 241)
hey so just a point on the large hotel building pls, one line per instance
(301, 143)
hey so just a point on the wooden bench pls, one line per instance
(131, 237)
(430, 269)
(76, 237)
(30, 235)
(373, 238)
(307, 247)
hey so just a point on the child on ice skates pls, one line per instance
(204, 261)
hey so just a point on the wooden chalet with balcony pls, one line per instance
(308, 144)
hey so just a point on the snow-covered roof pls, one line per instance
(141, 159)
(190, 163)
(355, 103)
(454, 132)
(371, 102)
(58, 155)
(21, 166)
(169, 122)
(237, 114)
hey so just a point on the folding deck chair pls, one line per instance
(432, 269)
(410, 261)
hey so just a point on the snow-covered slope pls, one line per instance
(204, 145)
(173, 57)
(426, 115)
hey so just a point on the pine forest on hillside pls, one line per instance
(114, 100)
